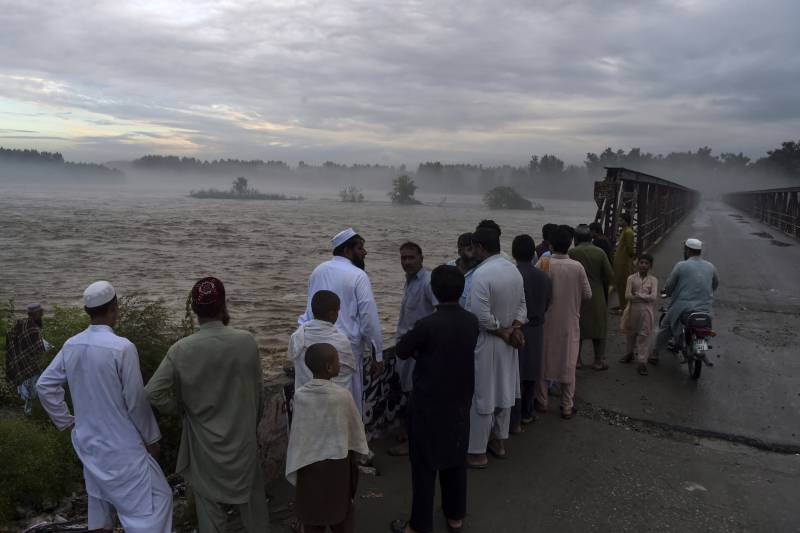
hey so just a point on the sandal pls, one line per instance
(477, 466)
(567, 416)
(496, 452)
(453, 529)
(398, 526)
(642, 369)
(602, 365)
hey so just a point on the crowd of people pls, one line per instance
(482, 343)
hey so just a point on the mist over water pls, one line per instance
(54, 242)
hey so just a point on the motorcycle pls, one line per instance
(693, 342)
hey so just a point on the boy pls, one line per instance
(638, 318)
(443, 345)
(326, 429)
(325, 308)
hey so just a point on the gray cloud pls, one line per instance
(376, 80)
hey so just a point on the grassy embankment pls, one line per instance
(38, 466)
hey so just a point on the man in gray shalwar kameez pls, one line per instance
(691, 286)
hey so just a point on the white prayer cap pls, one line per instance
(98, 293)
(694, 244)
(342, 237)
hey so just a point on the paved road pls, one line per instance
(754, 388)
(608, 473)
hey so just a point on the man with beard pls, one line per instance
(466, 264)
(213, 379)
(358, 317)
(497, 299)
(25, 350)
(418, 302)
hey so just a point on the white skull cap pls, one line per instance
(98, 293)
(694, 244)
(342, 237)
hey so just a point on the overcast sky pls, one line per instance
(394, 82)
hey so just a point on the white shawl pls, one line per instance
(313, 332)
(325, 425)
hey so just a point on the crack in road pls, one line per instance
(676, 431)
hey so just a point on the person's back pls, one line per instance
(444, 374)
(94, 359)
(693, 280)
(501, 279)
(220, 386)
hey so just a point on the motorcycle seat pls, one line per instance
(696, 319)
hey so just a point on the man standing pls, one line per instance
(691, 286)
(113, 429)
(623, 260)
(466, 264)
(594, 312)
(443, 345)
(213, 379)
(601, 241)
(25, 355)
(562, 323)
(497, 299)
(418, 302)
(538, 293)
(544, 247)
(358, 318)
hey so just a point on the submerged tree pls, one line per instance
(403, 191)
(506, 198)
(351, 194)
(240, 187)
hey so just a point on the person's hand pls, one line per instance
(517, 339)
(633, 291)
(154, 450)
(377, 368)
(505, 334)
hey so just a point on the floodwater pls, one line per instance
(155, 245)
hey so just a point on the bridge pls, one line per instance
(662, 452)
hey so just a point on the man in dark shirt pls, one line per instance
(443, 345)
(538, 293)
(601, 241)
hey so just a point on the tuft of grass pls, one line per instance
(37, 463)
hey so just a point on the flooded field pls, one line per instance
(155, 245)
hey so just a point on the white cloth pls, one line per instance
(113, 419)
(101, 512)
(98, 293)
(317, 331)
(483, 427)
(325, 425)
(497, 298)
(358, 315)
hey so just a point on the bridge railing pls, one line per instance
(777, 208)
(655, 205)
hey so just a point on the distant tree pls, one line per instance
(506, 198)
(403, 191)
(351, 194)
(734, 162)
(240, 187)
(785, 159)
(550, 165)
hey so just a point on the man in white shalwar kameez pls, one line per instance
(113, 429)
(322, 329)
(497, 299)
(358, 318)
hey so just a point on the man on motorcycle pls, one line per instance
(691, 287)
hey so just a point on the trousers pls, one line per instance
(483, 427)
(254, 515)
(453, 484)
(523, 408)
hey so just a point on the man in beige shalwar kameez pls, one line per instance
(562, 336)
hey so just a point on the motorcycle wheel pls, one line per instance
(694, 364)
